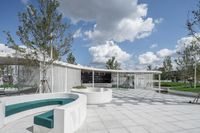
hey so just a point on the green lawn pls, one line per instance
(80, 87)
(181, 86)
(172, 84)
(187, 89)
(8, 86)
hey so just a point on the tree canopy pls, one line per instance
(43, 34)
(167, 68)
(112, 64)
(149, 67)
(71, 59)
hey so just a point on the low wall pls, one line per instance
(71, 115)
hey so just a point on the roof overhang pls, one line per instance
(8, 60)
(106, 70)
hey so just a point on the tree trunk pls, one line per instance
(43, 80)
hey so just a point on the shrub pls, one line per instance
(80, 87)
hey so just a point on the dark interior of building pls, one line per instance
(99, 77)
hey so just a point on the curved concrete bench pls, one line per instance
(16, 108)
(46, 119)
(66, 118)
(12, 100)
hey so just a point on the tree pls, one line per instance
(2, 67)
(193, 24)
(167, 68)
(71, 59)
(186, 60)
(112, 64)
(149, 67)
(41, 31)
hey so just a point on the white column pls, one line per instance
(134, 81)
(93, 78)
(159, 82)
(52, 83)
(51, 68)
(40, 85)
(151, 80)
(195, 75)
(117, 80)
(66, 82)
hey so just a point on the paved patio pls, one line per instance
(133, 111)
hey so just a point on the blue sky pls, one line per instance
(167, 27)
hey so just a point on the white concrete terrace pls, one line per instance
(133, 111)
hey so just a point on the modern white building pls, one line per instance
(62, 77)
(94, 77)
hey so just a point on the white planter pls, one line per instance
(96, 95)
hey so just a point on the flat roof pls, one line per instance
(105, 70)
(8, 60)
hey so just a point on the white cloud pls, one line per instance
(148, 58)
(117, 20)
(153, 57)
(5, 51)
(184, 42)
(165, 52)
(159, 20)
(78, 34)
(156, 58)
(25, 2)
(103, 52)
(153, 46)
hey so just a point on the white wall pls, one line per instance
(60, 78)
(24, 75)
(143, 81)
(125, 79)
(64, 78)
(73, 78)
